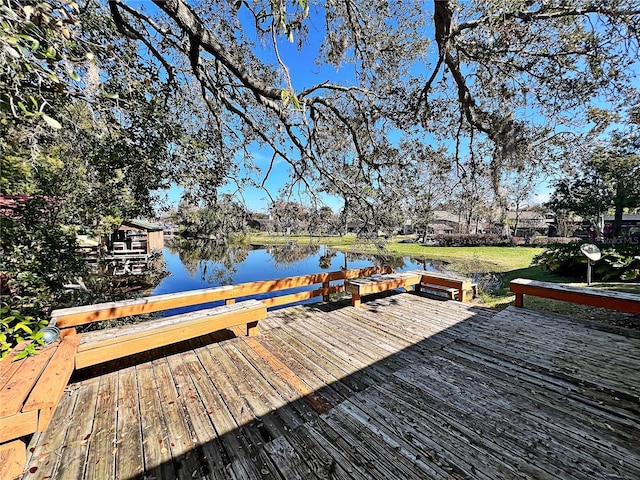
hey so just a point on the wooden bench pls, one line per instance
(621, 301)
(453, 286)
(109, 344)
(358, 287)
(450, 292)
(30, 390)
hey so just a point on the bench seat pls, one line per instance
(358, 287)
(465, 287)
(30, 390)
(104, 345)
(620, 301)
(450, 292)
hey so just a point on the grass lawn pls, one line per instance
(502, 263)
(467, 260)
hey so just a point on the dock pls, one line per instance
(406, 387)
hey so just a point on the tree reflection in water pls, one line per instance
(217, 261)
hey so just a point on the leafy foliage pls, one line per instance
(618, 262)
(216, 222)
(16, 328)
(607, 181)
(38, 258)
(36, 68)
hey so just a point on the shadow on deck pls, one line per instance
(406, 387)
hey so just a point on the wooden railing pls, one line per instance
(71, 317)
(594, 297)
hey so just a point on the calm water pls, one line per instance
(203, 265)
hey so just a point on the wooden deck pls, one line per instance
(405, 387)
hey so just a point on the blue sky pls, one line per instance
(304, 73)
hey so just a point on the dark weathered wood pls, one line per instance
(621, 301)
(45, 455)
(131, 435)
(408, 387)
(73, 457)
(101, 459)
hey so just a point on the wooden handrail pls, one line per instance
(594, 297)
(70, 317)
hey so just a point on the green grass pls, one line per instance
(467, 260)
(502, 263)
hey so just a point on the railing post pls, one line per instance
(325, 297)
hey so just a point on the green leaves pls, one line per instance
(16, 328)
(41, 52)
(619, 262)
(289, 97)
(52, 122)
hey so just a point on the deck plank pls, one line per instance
(101, 459)
(75, 453)
(129, 448)
(43, 457)
(155, 435)
(407, 386)
(179, 438)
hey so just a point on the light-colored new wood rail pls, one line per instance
(30, 390)
(103, 346)
(69, 317)
(621, 301)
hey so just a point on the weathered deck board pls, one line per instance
(406, 387)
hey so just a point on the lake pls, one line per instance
(201, 264)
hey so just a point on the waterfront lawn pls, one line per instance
(467, 260)
(502, 263)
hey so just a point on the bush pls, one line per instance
(469, 240)
(37, 257)
(619, 262)
(16, 328)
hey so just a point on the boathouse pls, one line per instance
(135, 237)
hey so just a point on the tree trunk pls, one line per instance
(619, 206)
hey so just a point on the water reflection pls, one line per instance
(216, 263)
(195, 264)
(291, 252)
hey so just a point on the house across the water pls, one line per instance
(127, 250)
(135, 237)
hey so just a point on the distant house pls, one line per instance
(630, 225)
(442, 223)
(440, 229)
(135, 237)
(529, 223)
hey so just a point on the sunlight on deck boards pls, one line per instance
(405, 387)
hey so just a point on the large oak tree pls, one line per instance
(518, 73)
